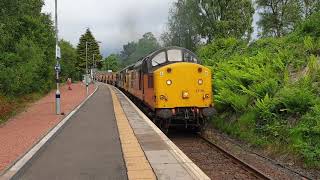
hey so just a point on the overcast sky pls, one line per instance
(113, 22)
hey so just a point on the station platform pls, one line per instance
(108, 137)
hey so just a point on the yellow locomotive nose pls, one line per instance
(184, 85)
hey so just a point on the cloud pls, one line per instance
(113, 22)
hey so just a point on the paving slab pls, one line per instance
(167, 171)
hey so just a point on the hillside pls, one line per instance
(267, 92)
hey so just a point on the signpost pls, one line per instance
(57, 67)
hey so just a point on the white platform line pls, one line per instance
(22, 161)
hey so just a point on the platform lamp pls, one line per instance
(87, 83)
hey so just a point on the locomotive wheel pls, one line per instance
(155, 121)
(165, 124)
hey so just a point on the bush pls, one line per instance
(311, 27)
(295, 100)
(305, 137)
(221, 50)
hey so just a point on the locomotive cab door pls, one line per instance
(148, 90)
(144, 71)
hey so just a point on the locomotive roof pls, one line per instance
(150, 56)
(168, 48)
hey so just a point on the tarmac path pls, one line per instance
(87, 147)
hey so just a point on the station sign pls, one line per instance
(57, 68)
(58, 52)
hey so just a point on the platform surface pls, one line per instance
(109, 138)
(167, 161)
(22, 131)
(88, 147)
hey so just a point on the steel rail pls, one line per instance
(248, 166)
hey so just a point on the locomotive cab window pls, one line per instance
(174, 55)
(159, 59)
(189, 57)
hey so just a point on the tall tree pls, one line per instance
(191, 20)
(128, 49)
(224, 18)
(68, 61)
(310, 6)
(181, 29)
(27, 46)
(133, 51)
(111, 63)
(278, 17)
(93, 52)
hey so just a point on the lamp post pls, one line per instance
(95, 62)
(87, 83)
(57, 67)
(93, 65)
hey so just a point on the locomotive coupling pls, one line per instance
(210, 111)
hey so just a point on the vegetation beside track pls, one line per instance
(267, 92)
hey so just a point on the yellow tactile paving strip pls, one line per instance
(137, 164)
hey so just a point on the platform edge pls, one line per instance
(193, 170)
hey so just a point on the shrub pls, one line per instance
(311, 27)
(305, 137)
(221, 50)
(265, 109)
(295, 100)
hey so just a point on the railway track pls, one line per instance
(216, 162)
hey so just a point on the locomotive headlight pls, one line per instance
(169, 82)
(206, 96)
(163, 97)
(200, 81)
(185, 94)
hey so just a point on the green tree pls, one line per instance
(133, 51)
(128, 49)
(181, 30)
(224, 18)
(310, 7)
(92, 52)
(278, 17)
(111, 63)
(27, 46)
(68, 61)
(208, 19)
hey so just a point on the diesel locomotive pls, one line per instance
(172, 84)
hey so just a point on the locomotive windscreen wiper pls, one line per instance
(156, 62)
